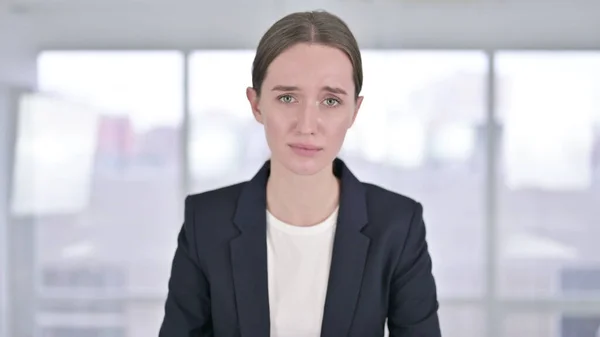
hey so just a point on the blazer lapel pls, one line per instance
(249, 258)
(349, 256)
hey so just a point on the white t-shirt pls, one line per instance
(298, 259)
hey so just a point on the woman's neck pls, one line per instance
(302, 200)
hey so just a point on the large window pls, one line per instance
(422, 132)
(226, 144)
(549, 189)
(549, 111)
(93, 263)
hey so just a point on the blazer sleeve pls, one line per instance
(413, 296)
(187, 308)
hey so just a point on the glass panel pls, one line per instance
(462, 321)
(89, 262)
(145, 318)
(549, 190)
(227, 145)
(54, 155)
(552, 324)
(421, 132)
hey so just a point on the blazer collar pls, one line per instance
(249, 257)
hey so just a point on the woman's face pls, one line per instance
(307, 105)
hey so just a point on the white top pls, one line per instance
(298, 260)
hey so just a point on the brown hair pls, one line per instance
(306, 27)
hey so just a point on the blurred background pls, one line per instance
(111, 111)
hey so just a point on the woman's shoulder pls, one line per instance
(391, 214)
(379, 196)
(219, 199)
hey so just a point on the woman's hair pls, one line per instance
(318, 27)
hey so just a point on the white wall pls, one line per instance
(221, 24)
(17, 49)
(3, 216)
(17, 68)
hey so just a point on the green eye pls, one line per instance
(286, 99)
(331, 102)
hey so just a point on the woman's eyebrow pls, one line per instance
(333, 90)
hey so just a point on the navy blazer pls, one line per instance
(380, 269)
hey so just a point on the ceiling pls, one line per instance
(172, 4)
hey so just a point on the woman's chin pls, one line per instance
(306, 166)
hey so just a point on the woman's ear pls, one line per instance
(358, 103)
(253, 99)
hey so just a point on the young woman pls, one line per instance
(303, 249)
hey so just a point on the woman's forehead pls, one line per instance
(316, 65)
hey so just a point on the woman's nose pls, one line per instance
(308, 119)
